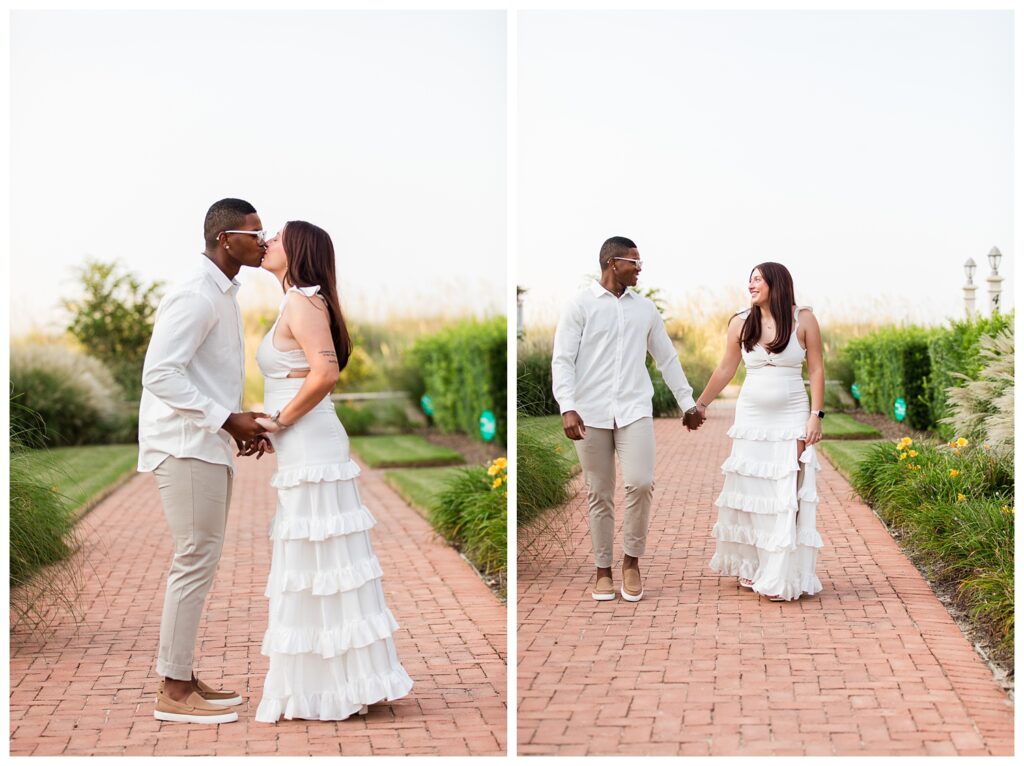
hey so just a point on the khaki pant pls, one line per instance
(195, 496)
(634, 445)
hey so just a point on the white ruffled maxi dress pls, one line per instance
(766, 529)
(329, 629)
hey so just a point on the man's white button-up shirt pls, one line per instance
(598, 363)
(194, 372)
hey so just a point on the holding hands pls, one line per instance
(248, 429)
(694, 417)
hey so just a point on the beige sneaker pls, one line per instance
(604, 590)
(213, 696)
(192, 710)
(632, 587)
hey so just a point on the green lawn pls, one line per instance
(419, 486)
(549, 429)
(846, 455)
(836, 425)
(85, 474)
(403, 451)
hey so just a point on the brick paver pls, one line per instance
(872, 665)
(90, 691)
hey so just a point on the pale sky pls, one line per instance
(869, 152)
(385, 128)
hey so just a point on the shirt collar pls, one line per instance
(219, 277)
(597, 290)
(309, 292)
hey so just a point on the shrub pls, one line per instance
(41, 527)
(464, 372)
(982, 409)
(471, 513)
(356, 420)
(373, 416)
(75, 396)
(113, 319)
(956, 357)
(889, 364)
(954, 507)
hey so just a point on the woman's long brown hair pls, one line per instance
(780, 301)
(311, 262)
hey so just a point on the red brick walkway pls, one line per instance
(90, 691)
(872, 665)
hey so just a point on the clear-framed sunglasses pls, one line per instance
(261, 236)
(636, 261)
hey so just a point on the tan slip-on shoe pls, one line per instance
(214, 696)
(604, 590)
(193, 710)
(632, 587)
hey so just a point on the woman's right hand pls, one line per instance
(268, 425)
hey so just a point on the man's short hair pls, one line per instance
(225, 214)
(614, 247)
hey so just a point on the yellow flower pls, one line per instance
(960, 497)
(497, 483)
(916, 467)
(985, 446)
(954, 472)
(962, 442)
(1008, 510)
(903, 456)
(492, 470)
(912, 453)
(905, 442)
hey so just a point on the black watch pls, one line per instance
(820, 414)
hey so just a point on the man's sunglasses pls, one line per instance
(639, 264)
(261, 236)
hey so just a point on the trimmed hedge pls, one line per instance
(920, 366)
(957, 349)
(463, 369)
(890, 364)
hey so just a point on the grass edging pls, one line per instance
(403, 451)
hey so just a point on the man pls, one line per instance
(192, 388)
(604, 393)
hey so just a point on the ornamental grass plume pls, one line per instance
(982, 410)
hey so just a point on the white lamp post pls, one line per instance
(970, 287)
(995, 282)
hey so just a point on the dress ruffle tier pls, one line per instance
(329, 634)
(766, 529)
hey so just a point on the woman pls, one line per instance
(329, 629)
(765, 534)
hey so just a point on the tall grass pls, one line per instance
(42, 534)
(954, 509)
(75, 396)
(983, 409)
